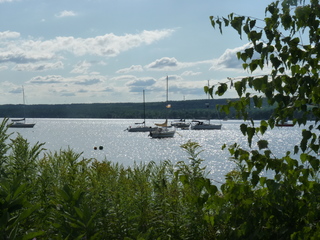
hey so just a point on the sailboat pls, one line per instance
(205, 125)
(202, 125)
(21, 122)
(141, 127)
(181, 124)
(163, 130)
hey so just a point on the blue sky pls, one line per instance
(96, 51)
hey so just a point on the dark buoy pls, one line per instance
(100, 148)
(95, 148)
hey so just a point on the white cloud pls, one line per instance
(2, 68)
(81, 67)
(88, 81)
(78, 80)
(9, 34)
(190, 73)
(65, 13)
(172, 64)
(108, 45)
(229, 60)
(137, 85)
(57, 85)
(47, 79)
(133, 68)
(31, 67)
(164, 63)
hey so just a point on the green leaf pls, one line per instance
(243, 128)
(33, 235)
(249, 52)
(238, 87)
(262, 144)
(226, 22)
(213, 23)
(314, 163)
(223, 87)
(250, 131)
(252, 23)
(255, 178)
(236, 23)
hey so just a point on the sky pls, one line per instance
(107, 51)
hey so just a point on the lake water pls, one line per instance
(120, 146)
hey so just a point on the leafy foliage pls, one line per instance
(283, 206)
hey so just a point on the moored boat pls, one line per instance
(163, 131)
(21, 122)
(284, 124)
(182, 124)
(201, 125)
(141, 127)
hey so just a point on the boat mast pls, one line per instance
(24, 103)
(23, 100)
(167, 88)
(144, 110)
(167, 105)
(207, 104)
(208, 91)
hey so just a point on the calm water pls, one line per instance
(83, 135)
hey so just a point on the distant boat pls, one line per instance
(163, 130)
(21, 123)
(182, 124)
(201, 125)
(284, 124)
(141, 127)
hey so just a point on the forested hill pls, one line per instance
(188, 109)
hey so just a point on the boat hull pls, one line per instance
(181, 124)
(207, 127)
(162, 133)
(285, 125)
(22, 125)
(141, 129)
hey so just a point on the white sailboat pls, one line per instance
(182, 124)
(205, 125)
(21, 122)
(141, 127)
(163, 130)
(202, 125)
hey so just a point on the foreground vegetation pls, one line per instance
(64, 196)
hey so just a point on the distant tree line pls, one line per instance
(189, 109)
